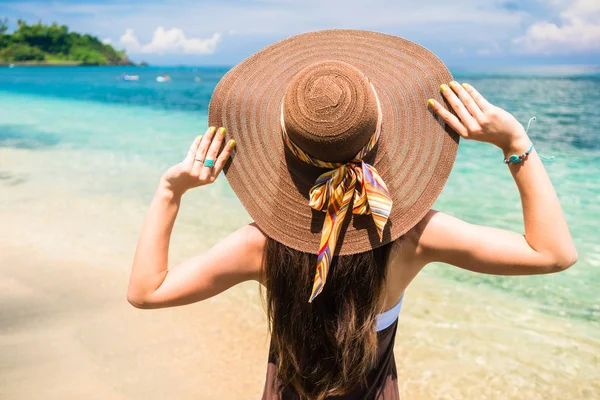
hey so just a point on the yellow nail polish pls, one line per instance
(232, 143)
(452, 84)
(211, 129)
(431, 102)
(443, 87)
(466, 86)
(200, 138)
(222, 131)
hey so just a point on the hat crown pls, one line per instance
(330, 110)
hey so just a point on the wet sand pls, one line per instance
(67, 332)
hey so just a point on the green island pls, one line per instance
(40, 44)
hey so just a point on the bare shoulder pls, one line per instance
(413, 250)
(434, 222)
(438, 231)
(251, 237)
(410, 246)
(405, 261)
(442, 233)
(248, 242)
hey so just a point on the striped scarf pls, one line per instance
(333, 191)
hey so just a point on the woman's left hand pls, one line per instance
(196, 170)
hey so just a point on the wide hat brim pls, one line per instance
(414, 155)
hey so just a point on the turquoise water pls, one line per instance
(147, 126)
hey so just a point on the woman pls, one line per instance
(339, 160)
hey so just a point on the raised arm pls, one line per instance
(547, 245)
(236, 259)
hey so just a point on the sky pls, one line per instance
(463, 33)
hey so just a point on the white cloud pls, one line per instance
(174, 41)
(169, 41)
(130, 42)
(578, 32)
(107, 41)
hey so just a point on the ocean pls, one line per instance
(99, 134)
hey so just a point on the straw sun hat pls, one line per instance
(351, 105)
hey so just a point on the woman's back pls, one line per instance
(397, 265)
(324, 347)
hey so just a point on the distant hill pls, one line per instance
(40, 44)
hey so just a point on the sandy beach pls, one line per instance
(67, 331)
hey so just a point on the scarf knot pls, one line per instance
(331, 193)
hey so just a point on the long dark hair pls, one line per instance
(326, 347)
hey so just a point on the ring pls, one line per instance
(209, 163)
(199, 159)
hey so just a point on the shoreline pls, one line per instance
(64, 264)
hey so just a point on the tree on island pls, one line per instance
(54, 44)
(3, 26)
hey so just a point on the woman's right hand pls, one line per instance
(193, 171)
(479, 120)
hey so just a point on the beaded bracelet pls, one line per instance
(515, 159)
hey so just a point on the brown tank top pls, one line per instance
(382, 379)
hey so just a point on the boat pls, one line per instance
(130, 77)
(163, 78)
